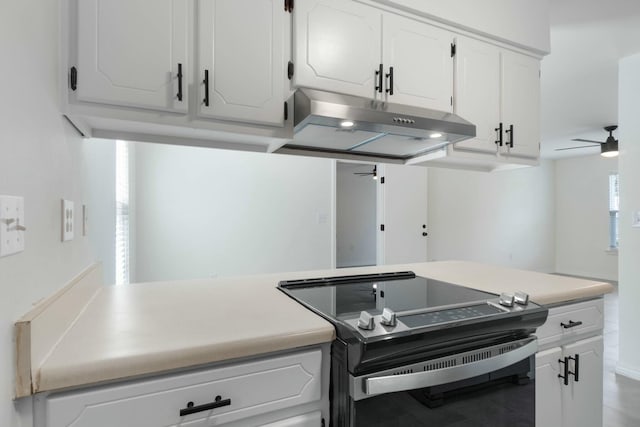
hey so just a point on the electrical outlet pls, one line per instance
(67, 220)
(11, 225)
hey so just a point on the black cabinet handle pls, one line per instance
(191, 409)
(565, 364)
(179, 95)
(379, 73)
(576, 366)
(571, 324)
(510, 132)
(499, 130)
(206, 88)
(390, 76)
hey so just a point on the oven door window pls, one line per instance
(503, 398)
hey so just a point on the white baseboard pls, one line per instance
(627, 372)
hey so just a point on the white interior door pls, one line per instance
(402, 208)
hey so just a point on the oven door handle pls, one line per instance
(393, 383)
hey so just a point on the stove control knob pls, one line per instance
(388, 317)
(366, 321)
(521, 298)
(506, 300)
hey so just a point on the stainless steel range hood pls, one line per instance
(347, 127)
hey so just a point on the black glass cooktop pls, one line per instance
(404, 293)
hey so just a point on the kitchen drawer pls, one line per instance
(253, 388)
(590, 313)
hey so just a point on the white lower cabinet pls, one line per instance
(199, 398)
(576, 401)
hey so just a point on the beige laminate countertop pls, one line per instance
(147, 328)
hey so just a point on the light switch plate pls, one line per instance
(11, 225)
(67, 220)
(635, 222)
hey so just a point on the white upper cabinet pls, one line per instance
(242, 61)
(133, 53)
(420, 55)
(477, 92)
(499, 91)
(356, 49)
(521, 104)
(337, 46)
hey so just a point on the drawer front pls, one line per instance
(251, 388)
(570, 322)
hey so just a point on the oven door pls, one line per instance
(492, 386)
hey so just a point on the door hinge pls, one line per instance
(290, 70)
(452, 101)
(453, 50)
(288, 6)
(381, 227)
(73, 78)
(286, 111)
(382, 180)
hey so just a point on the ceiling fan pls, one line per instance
(608, 148)
(373, 173)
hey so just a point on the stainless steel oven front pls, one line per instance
(489, 386)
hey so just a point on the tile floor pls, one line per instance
(621, 395)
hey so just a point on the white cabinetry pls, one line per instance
(572, 346)
(139, 66)
(244, 391)
(352, 48)
(499, 91)
(133, 53)
(242, 60)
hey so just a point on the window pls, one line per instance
(614, 207)
(122, 212)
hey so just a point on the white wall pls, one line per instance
(502, 218)
(99, 162)
(41, 160)
(204, 212)
(355, 216)
(582, 217)
(629, 167)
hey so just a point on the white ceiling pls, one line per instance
(580, 76)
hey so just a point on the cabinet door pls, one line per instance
(420, 55)
(582, 399)
(337, 46)
(241, 45)
(548, 388)
(477, 92)
(521, 103)
(129, 53)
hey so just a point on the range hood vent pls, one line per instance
(348, 127)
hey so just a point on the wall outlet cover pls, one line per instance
(67, 220)
(11, 225)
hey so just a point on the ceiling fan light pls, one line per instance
(609, 148)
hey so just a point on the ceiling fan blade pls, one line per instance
(587, 140)
(573, 148)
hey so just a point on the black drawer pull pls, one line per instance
(179, 95)
(510, 133)
(499, 131)
(576, 366)
(565, 367)
(206, 88)
(389, 75)
(571, 324)
(191, 409)
(379, 73)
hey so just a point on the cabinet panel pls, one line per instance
(242, 48)
(253, 388)
(548, 391)
(589, 313)
(477, 92)
(521, 103)
(313, 419)
(129, 51)
(337, 46)
(583, 398)
(420, 55)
